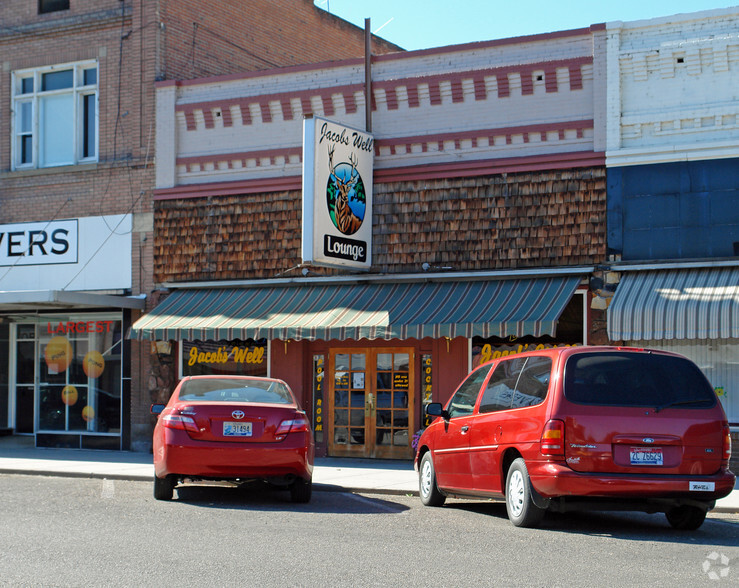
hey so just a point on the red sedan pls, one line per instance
(234, 428)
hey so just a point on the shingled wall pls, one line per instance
(506, 221)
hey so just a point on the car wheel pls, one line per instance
(430, 495)
(522, 511)
(301, 490)
(164, 487)
(685, 517)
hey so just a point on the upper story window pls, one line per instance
(55, 118)
(45, 6)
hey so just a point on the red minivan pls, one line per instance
(575, 428)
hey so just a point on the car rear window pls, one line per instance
(636, 379)
(230, 390)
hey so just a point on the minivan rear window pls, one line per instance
(641, 379)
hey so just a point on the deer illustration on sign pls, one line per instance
(345, 194)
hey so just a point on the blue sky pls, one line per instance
(421, 24)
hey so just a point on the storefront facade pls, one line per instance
(364, 358)
(63, 355)
(486, 225)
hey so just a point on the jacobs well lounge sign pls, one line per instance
(337, 195)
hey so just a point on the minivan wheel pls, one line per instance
(686, 517)
(522, 511)
(164, 487)
(430, 495)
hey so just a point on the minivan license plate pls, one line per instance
(646, 456)
(236, 429)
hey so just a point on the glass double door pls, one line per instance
(371, 400)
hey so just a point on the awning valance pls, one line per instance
(362, 311)
(676, 304)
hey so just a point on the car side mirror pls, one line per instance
(156, 409)
(436, 409)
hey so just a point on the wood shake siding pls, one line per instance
(506, 221)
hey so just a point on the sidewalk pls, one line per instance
(330, 474)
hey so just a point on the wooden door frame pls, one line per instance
(370, 448)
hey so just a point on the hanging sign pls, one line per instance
(337, 195)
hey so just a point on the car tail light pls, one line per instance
(727, 443)
(553, 439)
(180, 422)
(295, 425)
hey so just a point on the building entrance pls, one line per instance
(371, 400)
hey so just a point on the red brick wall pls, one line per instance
(133, 50)
(223, 37)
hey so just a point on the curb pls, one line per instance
(317, 486)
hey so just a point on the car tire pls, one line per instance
(686, 517)
(522, 511)
(301, 490)
(427, 489)
(164, 487)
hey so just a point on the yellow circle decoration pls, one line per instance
(69, 395)
(58, 354)
(88, 413)
(93, 364)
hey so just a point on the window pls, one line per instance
(55, 116)
(517, 383)
(463, 401)
(636, 379)
(45, 6)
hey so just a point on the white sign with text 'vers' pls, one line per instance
(42, 243)
(86, 253)
(337, 195)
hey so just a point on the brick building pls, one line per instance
(76, 176)
(488, 216)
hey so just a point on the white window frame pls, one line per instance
(78, 91)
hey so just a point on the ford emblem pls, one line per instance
(238, 414)
(648, 440)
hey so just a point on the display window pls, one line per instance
(235, 358)
(65, 374)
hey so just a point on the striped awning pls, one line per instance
(676, 304)
(365, 311)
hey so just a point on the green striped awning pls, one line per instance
(676, 304)
(366, 311)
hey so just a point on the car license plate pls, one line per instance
(647, 456)
(236, 429)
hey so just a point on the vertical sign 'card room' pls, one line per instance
(337, 195)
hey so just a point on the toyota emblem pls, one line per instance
(238, 414)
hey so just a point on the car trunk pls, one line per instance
(238, 422)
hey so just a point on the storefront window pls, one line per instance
(236, 358)
(570, 331)
(79, 375)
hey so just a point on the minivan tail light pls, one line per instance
(553, 439)
(727, 443)
(180, 422)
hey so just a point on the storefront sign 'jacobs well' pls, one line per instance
(337, 195)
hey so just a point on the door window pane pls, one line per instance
(463, 401)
